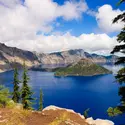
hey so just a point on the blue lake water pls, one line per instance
(77, 93)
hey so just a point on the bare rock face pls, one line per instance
(12, 56)
(64, 116)
(67, 116)
(66, 58)
(51, 115)
(91, 121)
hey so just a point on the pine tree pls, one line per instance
(120, 77)
(41, 100)
(16, 93)
(26, 91)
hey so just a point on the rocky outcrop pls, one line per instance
(12, 56)
(51, 115)
(65, 58)
(72, 117)
(91, 121)
(71, 56)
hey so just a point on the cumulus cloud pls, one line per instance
(10, 4)
(70, 11)
(23, 21)
(105, 16)
(20, 23)
(94, 43)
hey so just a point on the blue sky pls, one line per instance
(88, 23)
(59, 25)
(96, 3)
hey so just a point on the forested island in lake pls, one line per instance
(85, 67)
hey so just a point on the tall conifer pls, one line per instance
(26, 91)
(16, 93)
(41, 100)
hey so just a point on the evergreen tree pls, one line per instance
(16, 93)
(41, 100)
(120, 77)
(26, 91)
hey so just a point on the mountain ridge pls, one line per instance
(65, 58)
(12, 56)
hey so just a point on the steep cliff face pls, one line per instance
(11, 56)
(65, 57)
(72, 56)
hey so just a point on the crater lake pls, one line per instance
(75, 92)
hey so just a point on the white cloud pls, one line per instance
(97, 43)
(105, 16)
(74, 10)
(23, 21)
(10, 3)
(19, 24)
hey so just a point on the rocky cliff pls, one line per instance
(51, 115)
(11, 56)
(65, 58)
(71, 56)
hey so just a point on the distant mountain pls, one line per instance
(12, 56)
(85, 67)
(65, 58)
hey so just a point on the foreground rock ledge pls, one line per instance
(74, 118)
(51, 115)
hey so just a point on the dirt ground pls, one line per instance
(47, 117)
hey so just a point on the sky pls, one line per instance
(59, 25)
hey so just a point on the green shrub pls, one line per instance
(113, 111)
(4, 96)
(86, 113)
